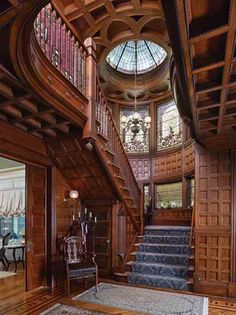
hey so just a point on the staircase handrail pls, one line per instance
(117, 135)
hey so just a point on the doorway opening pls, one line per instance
(12, 227)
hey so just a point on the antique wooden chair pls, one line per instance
(3, 258)
(79, 263)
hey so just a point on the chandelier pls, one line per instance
(135, 122)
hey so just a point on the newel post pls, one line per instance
(89, 130)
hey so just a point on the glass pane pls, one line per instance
(169, 126)
(149, 56)
(168, 195)
(134, 142)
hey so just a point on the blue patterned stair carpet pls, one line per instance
(163, 258)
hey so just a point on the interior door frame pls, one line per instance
(49, 216)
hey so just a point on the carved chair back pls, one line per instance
(75, 249)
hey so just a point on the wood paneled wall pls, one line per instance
(64, 209)
(102, 236)
(175, 163)
(36, 227)
(141, 168)
(168, 165)
(213, 204)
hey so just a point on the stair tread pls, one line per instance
(158, 277)
(167, 227)
(161, 244)
(159, 254)
(125, 274)
(157, 264)
(169, 236)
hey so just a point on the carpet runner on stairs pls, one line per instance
(163, 258)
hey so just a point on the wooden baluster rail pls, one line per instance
(61, 47)
(108, 130)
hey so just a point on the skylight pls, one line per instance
(149, 56)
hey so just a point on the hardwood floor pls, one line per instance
(14, 301)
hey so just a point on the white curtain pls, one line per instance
(12, 202)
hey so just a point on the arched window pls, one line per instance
(169, 131)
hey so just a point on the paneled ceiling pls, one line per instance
(112, 22)
(207, 39)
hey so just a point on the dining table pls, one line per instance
(13, 250)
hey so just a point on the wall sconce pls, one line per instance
(74, 194)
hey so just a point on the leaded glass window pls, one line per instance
(190, 191)
(149, 56)
(134, 142)
(169, 131)
(168, 195)
(146, 196)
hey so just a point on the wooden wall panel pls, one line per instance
(17, 144)
(36, 227)
(176, 163)
(168, 165)
(102, 237)
(64, 210)
(141, 168)
(188, 158)
(213, 221)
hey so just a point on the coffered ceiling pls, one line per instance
(204, 33)
(112, 22)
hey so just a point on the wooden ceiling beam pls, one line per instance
(209, 67)
(32, 116)
(230, 45)
(210, 89)
(215, 32)
(7, 15)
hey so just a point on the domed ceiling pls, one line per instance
(115, 26)
(136, 55)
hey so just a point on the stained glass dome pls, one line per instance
(123, 57)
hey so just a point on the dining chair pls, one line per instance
(79, 263)
(3, 258)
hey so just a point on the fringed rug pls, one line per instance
(147, 301)
(60, 309)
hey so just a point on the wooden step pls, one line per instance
(115, 167)
(121, 276)
(120, 178)
(109, 153)
(130, 200)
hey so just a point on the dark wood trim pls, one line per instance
(233, 219)
(50, 225)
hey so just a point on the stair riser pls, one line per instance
(165, 249)
(160, 270)
(166, 233)
(160, 283)
(178, 240)
(169, 260)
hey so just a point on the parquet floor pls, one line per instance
(14, 301)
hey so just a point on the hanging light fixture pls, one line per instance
(135, 122)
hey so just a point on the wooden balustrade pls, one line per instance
(77, 63)
(61, 47)
(107, 128)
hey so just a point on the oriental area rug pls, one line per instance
(146, 301)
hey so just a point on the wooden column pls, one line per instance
(91, 89)
(51, 226)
